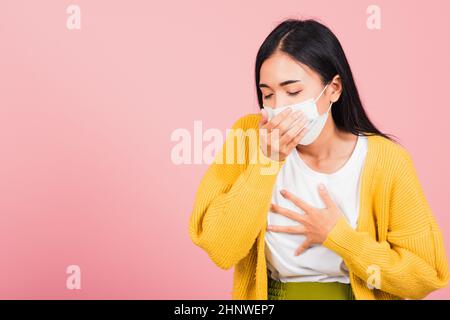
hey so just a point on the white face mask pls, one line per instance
(316, 122)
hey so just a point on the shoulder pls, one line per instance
(248, 121)
(390, 154)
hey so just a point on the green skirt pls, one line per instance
(309, 290)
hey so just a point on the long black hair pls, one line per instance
(313, 44)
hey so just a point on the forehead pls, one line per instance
(281, 67)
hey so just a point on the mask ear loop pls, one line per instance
(315, 100)
(331, 103)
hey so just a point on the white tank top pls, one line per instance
(317, 263)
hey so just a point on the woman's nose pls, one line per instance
(278, 103)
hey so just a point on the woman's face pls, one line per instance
(285, 81)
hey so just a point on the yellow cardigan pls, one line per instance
(396, 232)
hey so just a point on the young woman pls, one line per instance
(342, 215)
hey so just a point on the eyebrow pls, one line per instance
(284, 83)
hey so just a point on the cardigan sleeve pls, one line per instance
(233, 199)
(412, 261)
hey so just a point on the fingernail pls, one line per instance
(269, 227)
(321, 186)
(283, 192)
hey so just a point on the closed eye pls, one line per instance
(289, 93)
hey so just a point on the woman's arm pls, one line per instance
(233, 199)
(412, 262)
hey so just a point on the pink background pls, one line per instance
(86, 117)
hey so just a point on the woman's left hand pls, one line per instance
(315, 223)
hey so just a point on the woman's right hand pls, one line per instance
(291, 128)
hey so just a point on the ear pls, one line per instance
(335, 89)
